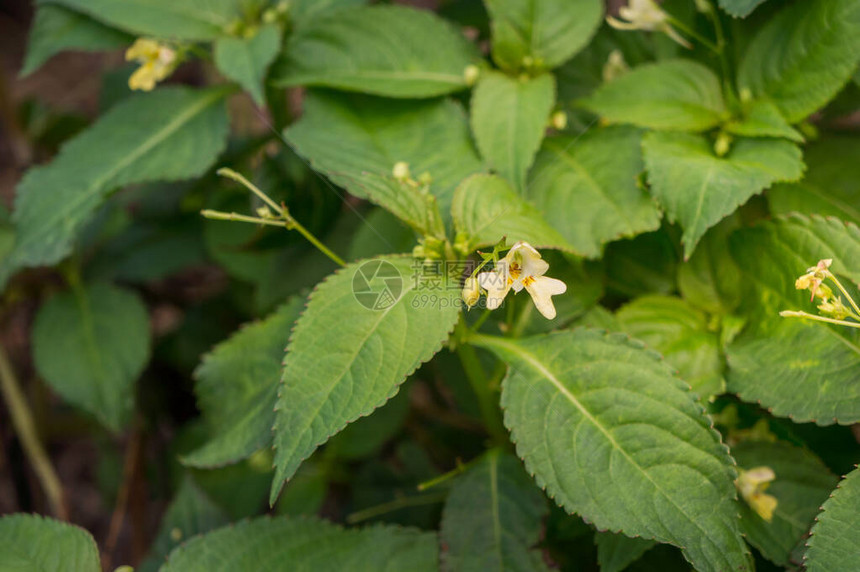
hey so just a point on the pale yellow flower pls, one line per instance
(522, 268)
(157, 61)
(471, 291)
(646, 15)
(752, 484)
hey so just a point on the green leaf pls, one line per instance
(740, 8)
(615, 552)
(56, 29)
(831, 185)
(486, 208)
(710, 279)
(305, 544)
(681, 333)
(835, 541)
(698, 189)
(303, 11)
(492, 518)
(237, 387)
(802, 483)
(382, 50)
(185, 20)
(31, 542)
(677, 95)
(646, 264)
(91, 345)
(541, 34)
(365, 437)
(614, 436)
(346, 136)
(190, 513)
(509, 119)
(763, 119)
(174, 133)
(378, 321)
(803, 56)
(246, 60)
(586, 188)
(793, 367)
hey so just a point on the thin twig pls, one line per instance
(25, 428)
(132, 457)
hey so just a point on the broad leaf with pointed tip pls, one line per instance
(677, 95)
(509, 118)
(802, 483)
(174, 133)
(614, 436)
(91, 345)
(793, 367)
(492, 518)
(237, 385)
(378, 322)
(184, 20)
(740, 8)
(486, 208)
(541, 33)
(586, 188)
(347, 136)
(698, 189)
(803, 56)
(393, 51)
(763, 119)
(246, 60)
(31, 542)
(275, 544)
(835, 541)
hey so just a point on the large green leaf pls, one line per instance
(804, 55)
(492, 519)
(237, 386)
(802, 483)
(90, 345)
(303, 11)
(615, 552)
(275, 544)
(796, 368)
(835, 542)
(246, 60)
(30, 542)
(614, 436)
(190, 513)
(56, 29)
(762, 118)
(174, 133)
(383, 50)
(673, 95)
(831, 185)
(710, 279)
(347, 136)
(486, 208)
(698, 189)
(586, 187)
(378, 320)
(541, 33)
(185, 20)
(740, 8)
(509, 119)
(681, 333)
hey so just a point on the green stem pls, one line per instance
(291, 223)
(693, 34)
(844, 291)
(218, 215)
(487, 400)
(22, 421)
(480, 322)
(793, 314)
(396, 504)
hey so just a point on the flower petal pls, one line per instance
(542, 289)
(496, 284)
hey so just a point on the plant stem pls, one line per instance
(793, 314)
(480, 322)
(288, 221)
(22, 421)
(218, 215)
(693, 34)
(844, 291)
(487, 400)
(396, 504)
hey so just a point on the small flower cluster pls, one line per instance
(522, 268)
(830, 306)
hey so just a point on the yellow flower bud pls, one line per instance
(558, 120)
(401, 171)
(471, 74)
(471, 291)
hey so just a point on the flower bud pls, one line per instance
(471, 74)
(471, 291)
(558, 120)
(401, 171)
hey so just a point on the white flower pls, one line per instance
(522, 268)
(645, 15)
